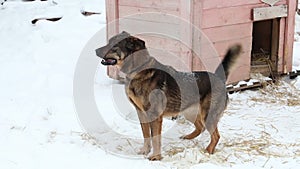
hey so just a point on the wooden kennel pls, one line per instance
(265, 28)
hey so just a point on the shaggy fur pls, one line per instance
(157, 90)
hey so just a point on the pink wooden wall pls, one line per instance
(224, 22)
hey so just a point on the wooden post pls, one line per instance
(289, 36)
(280, 61)
(112, 28)
(112, 17)
(196, 11)
(186, 31)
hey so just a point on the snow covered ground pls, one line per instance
(40, 128)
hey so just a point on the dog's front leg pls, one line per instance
(145, 150)
(158, 102)
(156, 126)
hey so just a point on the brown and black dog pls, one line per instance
(157, 90)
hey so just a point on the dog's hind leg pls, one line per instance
(215, 136)
(195, 114)
(217, 104)
(199, 128)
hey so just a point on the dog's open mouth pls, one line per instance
(109, 61)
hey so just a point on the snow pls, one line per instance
(40, 128)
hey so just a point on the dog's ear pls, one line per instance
(135, 44)
(125, 33)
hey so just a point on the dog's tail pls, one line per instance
(228, 62)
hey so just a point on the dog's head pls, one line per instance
(119, 48)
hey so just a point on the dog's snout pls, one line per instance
(99, 52)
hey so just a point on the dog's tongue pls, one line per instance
(108, 61)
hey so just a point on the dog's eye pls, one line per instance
(115, 49)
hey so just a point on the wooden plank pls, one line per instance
(280, 58)
(226, 16)
(163, 43)
(186, 34)
(197, 15)
(244, 59)
(219, 49)
(241, 72)
(196, 10)
(275, 43)
(169, 5)
(148, 14)
(211, 63)
(112, 28)
(209, 4)
(223, 46)
(130, 10)
(207, 64)
(289, 36)
(229, 32)
(112, 16)
(204, 48)
(174, 59)
(181, 23)
(229, 16)
(169, 51)
(147, 27)
(266, 13)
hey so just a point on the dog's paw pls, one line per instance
(210, 150)
(144, 150)
(156, 157)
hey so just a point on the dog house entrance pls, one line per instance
(265, 45)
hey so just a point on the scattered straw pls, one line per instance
(280, 93)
